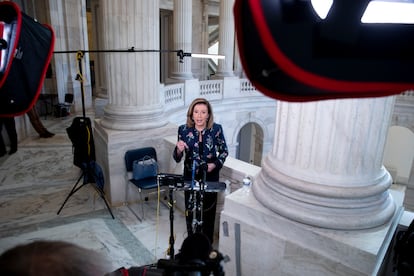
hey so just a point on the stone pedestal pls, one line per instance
(409, 192)
(113, 144)
(260, 242)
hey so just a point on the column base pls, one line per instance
(260, 242)
(133, 117)
(182, 76)
(223, 74)
(327, 206)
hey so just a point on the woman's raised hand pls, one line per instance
(181, 146)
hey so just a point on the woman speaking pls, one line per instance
(202, 143)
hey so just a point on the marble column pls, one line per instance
(100, 91)
(71, 35)
(204, 72)
(226, 39)
(182, 23)
(97, 31)
(238, 68)
(325, 168)
(132, 77)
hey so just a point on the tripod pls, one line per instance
(80, 133)
(87, 173)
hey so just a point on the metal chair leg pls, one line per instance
(142, 204)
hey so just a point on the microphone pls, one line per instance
(193, 170)
(203, 169)
(203, 166)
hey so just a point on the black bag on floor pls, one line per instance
(404, 251)
(60, 111)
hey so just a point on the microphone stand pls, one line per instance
(198, 221)
(171, 205)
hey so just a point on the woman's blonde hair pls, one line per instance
(190, 121)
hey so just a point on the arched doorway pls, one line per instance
(250, 141)
(399, 153)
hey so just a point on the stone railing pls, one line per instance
(175, 95)
(408, 93)
(211, 89)
(404, 110)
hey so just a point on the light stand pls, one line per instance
(83, 125)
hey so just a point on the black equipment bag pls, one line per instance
(404, 251)
(289, 53)
(80, 133)
(26, 48)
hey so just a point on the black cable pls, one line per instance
(129, 50)
(180, 53)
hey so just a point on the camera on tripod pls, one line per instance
(210, 266)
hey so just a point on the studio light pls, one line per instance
(401, 12)
(322, 7)
(181, 54)
(377, 11)
(207, 56)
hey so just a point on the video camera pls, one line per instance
(196, 258)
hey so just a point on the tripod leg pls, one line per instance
(74, 189)
(102, 194)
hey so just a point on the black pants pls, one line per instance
(10, 126)
(209, 213)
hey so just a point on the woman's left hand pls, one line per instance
(210, 167)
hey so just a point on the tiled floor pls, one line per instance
(34, 183)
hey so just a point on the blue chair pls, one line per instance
(148, 183)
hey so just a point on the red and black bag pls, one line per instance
(26, 48)
(289, 53)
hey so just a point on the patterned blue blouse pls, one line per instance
(214, 149)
